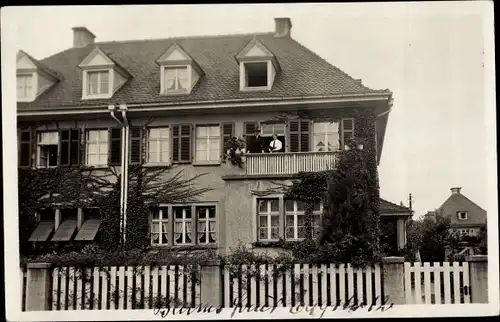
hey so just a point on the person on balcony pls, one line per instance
(275, 145)
(256, 144)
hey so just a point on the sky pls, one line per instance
(431, 56)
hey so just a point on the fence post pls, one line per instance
(394, 280)
(38, 287)
(478, 272)
(211, 285)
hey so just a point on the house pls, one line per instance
(467, 218)
(177, 101)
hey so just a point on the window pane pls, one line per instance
(211, 226)
(201, 131)
(289, 233)
(91, 148)
(202, 156)
(155, 238)
(267, 129)
(202, 212)
(164, 145)
(289, 221)
(155, 227)
(279, 129)
(275, 221)
(182, 81)
(301, 232)
(164, 233)
(152, 157)
(301, 220)
(300, 206)
(103, 148)
(317, 206)
(215, 144)
(156, 214)
(92, 135)
(202, 226)
(262, 206)
(263, 233)
(262, 221)
(214, 131)
(103, 136)
(214, 155)
(163, 132)
(92, 159)
(275, 233)
(211, 212)
(201, 144)
(164, 157)
(274, 205)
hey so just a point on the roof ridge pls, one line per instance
(394, 204)
(182, 38)
(337, 68)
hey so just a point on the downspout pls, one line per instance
(123, 109)
(112, 109)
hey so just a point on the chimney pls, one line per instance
(456, 190)
(82, 37)
(283, 27)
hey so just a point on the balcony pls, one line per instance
(289, 163)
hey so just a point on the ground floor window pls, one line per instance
(177, 225)
(294, 219)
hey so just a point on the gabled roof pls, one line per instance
(303, 73)
(108, 61)
(458, 202)
(182, 57)
(38, 64)
(389, 207)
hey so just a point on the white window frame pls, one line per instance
(273, 125)
(163, 85)
(86, 80)
(207, 220)
(98, 143)
(183, 220)
(39, 150)
(162, 219)
(296, 213)
(157, 141)
(326, 134)
(33, 87)
(460, 215)
(268, 214)
(207, 140)
(243, 74)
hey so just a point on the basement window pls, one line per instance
(256, 75)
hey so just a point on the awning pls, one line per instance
(42, 231)
(65, 230)
(88, 230)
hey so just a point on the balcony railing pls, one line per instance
(289, 163)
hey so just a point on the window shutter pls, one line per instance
(185, 142)
(304, 135)
(250, 128)
(227, 134)
(64, 138)
(347, 130)
(135, 145)
(25, 153)
(81, 152)
(115, 146)
(294, 136)
(175, 143)
(74, 147)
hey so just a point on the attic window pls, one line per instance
(462, 215)
(24, 86)
(98, 83)
(256, 75)
(176, 79)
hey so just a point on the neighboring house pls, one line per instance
(183, 99)
(396, 216)
(467, 218)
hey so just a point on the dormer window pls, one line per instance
(101, 76)
(258, 67)
(98, 83)
(256, 74)
(179, 72)
(33, 77)
(462, 215)
(176, 79)
(24, 87)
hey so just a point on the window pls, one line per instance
(326, 136)
(256, 75)
(182, 225)
(295, 220)
(24, 86)
(299, 135)
(208, 143)
(70, 147)
(347, 130)
(462, 215)
(97, 83)
(269, 219)
(206, 224)
(159, 226)
(270, 129)
(158, 145)
(48, 145)
(176, 79)
(96, 147)
(24, 148)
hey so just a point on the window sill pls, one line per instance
(159, 165)
(178, 92)
(183, 247)
(96, 97)
(256, 89)
(201, 163)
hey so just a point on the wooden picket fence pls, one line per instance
(307, 284)
(441, 283)
(123, 287)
